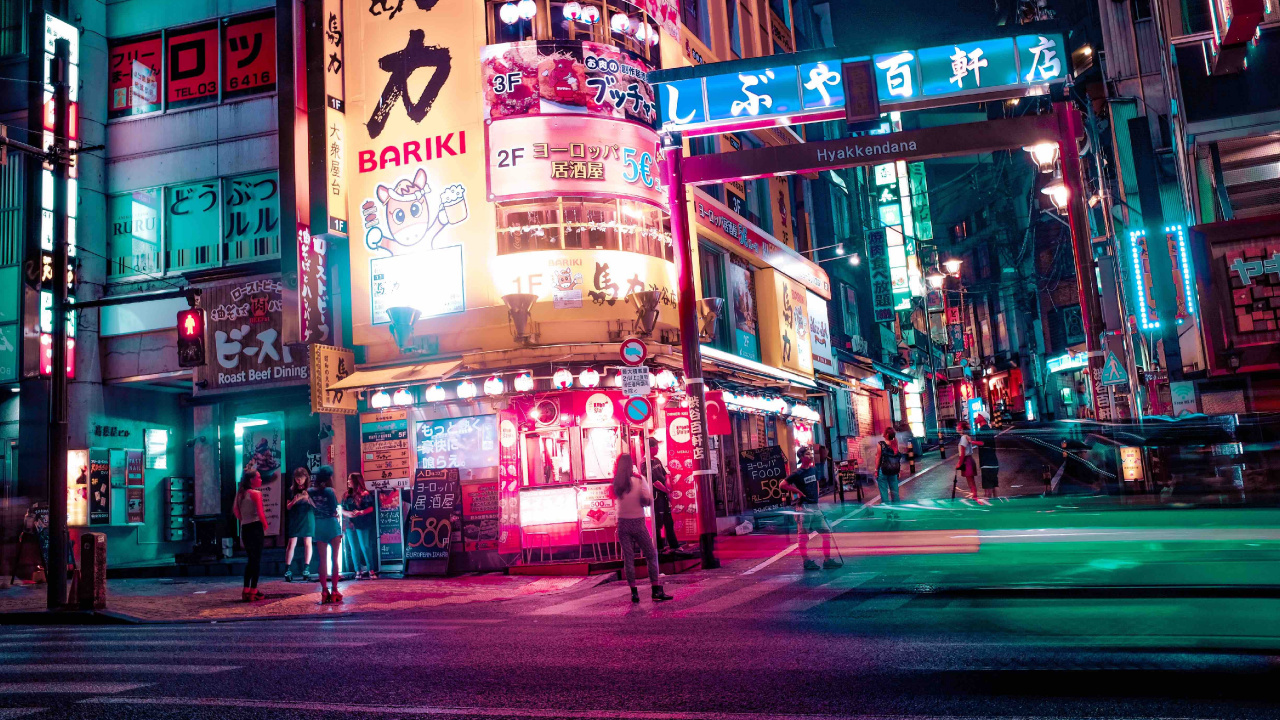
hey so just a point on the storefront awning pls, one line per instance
(733, 362)
(892, 373)
(399, 375)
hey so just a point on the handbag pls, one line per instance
(890, 462)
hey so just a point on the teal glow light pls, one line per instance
(1139, 275)
(1184, 261)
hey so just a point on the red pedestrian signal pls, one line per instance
(191, 338)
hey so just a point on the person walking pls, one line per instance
(301, 524)
(906, 446)
(888, 467)
(633, 497)
(359, 508)
(967, 464)
(988, 461)
(663, 521)
(248, 510)
(328, 532)
(802, 485)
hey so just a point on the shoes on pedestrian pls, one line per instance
(288, 575)
(810, 565)
(258, 595)
(246, 595)
(306, 576)
(325, 597)
(371, 575)
(635, 595)
(363, 576)
(335, 597)
(659, 595)
(831, 564)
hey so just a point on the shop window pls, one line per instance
(503, 31)
(191, 66)
(549, 458)
(251, 222)
(134, 84)
(133, 240)
(600, 448)
(583, 224)
(565, 27)
(694, 15)
(735, 34)
(248, 55)
(711, 262)
(191, 226)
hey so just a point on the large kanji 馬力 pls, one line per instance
(401, 64)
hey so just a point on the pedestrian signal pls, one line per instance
(191, 338)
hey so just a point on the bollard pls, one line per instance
(92, 588)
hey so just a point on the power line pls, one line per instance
(133, 269)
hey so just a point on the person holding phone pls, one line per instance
(633, 497)
(359, 508)
(328, 532)
(301, 525)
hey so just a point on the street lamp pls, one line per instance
(952, 266)
(1045, 155)
(1058, 194)
(936, 279)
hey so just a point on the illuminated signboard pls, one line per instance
(810, 92)
(540, 155)
(465, 442)
(1068, 361)
(54, 30)
(1183, 278)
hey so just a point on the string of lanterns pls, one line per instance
(494, 386)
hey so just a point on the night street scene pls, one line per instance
(640, 359)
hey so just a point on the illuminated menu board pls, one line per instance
(465, 442)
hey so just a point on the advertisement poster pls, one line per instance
(77, 488)
(133, 76)
(537, 155)
(192, 66)
(820, 335)
(742, 294)
(684, 486)
(785, 335)
(435, 511)
(133, 505)
(762, 470)
(465, 442)
(384, 449)
(262, 452)
(99, 487)
(536, 77)
(390, 527)
(415, 139)
(480, 510)
(597, 508)
(329, 365)
(243, 341)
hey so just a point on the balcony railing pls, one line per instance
(609, 22)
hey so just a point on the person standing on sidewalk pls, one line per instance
(888, 467)
(988, 461)
(301, 523)
(358, 507)
(803, 488)
(967, 464)
(248, 510)
(663, 521)
(328, 533)
(633, 497)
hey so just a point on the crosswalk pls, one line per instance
(711, 595)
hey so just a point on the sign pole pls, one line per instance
(678, 199)
(57, 570)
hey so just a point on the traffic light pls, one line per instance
(191, 337)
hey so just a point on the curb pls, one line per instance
(67, 617)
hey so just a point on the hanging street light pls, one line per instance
(1045, 155)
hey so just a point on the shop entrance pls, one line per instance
(259, 445)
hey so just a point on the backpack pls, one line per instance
(890, 461)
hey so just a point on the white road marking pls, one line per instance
(130, 643)
(885, 602)
(231, 652)
(824, 592)
(790, 549)
(741, 595)
(574, 605)
(504, 712)
(55, 668)
(68, 688)
(683, 593)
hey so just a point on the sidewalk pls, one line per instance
(218, 599)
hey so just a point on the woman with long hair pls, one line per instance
(248, 510)
(889, 467)
(633, 497)
(968, 464)
(358, 507)
(302, 523)
(328, 534)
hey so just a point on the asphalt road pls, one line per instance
(774, 643)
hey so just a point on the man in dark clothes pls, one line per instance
(988, 461)
(663, 522)
(803, 487)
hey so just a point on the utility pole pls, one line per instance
(690, 349)
(58, 400)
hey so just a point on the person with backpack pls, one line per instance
(888, 467)
(803, 487)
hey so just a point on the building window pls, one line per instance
(12, 13)
(572, 223)
(735, 32)
(695, 17)
(782, 8)
(711, 262)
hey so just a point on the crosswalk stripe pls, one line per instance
(229, 653)
(231, 636)
(682, 593)
(68, 688)
(143, 643)
(579, 603)
(6, 713)
(885, 602)
(741, 595)
(815, 596)
(53, 668)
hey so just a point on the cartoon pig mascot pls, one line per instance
(409, 220)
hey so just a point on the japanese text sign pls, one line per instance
(249, 55)
(680, 466)
(385, 453)
(328, 366)
(133, 76)
(314, 312)
(192, 66)
(243, 337)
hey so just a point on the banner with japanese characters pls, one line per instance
(680, 465)
(335, 120)
(243, 340)
(133, 76)
(557, 77)
(414, 110)
(315, 315)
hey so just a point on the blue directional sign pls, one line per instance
(821, 85)
(952, 69)
(772, 91)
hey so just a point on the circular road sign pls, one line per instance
(637, 409)
(633, 351)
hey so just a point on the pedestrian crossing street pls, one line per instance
(738, 596)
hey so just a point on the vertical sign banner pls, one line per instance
(99, 487)
(390, 527)
(134, 462)
(249, 55)
(335, 121)
(415, 101)
(434, 512)
(329, 365)
(192, 66)
(820, 335)
(785, 328)
(881, 283)
(384, 449)
(314, 314)
(77, 488)
(480, 510)
(680, 466)
(262, 451)
(509, 483)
